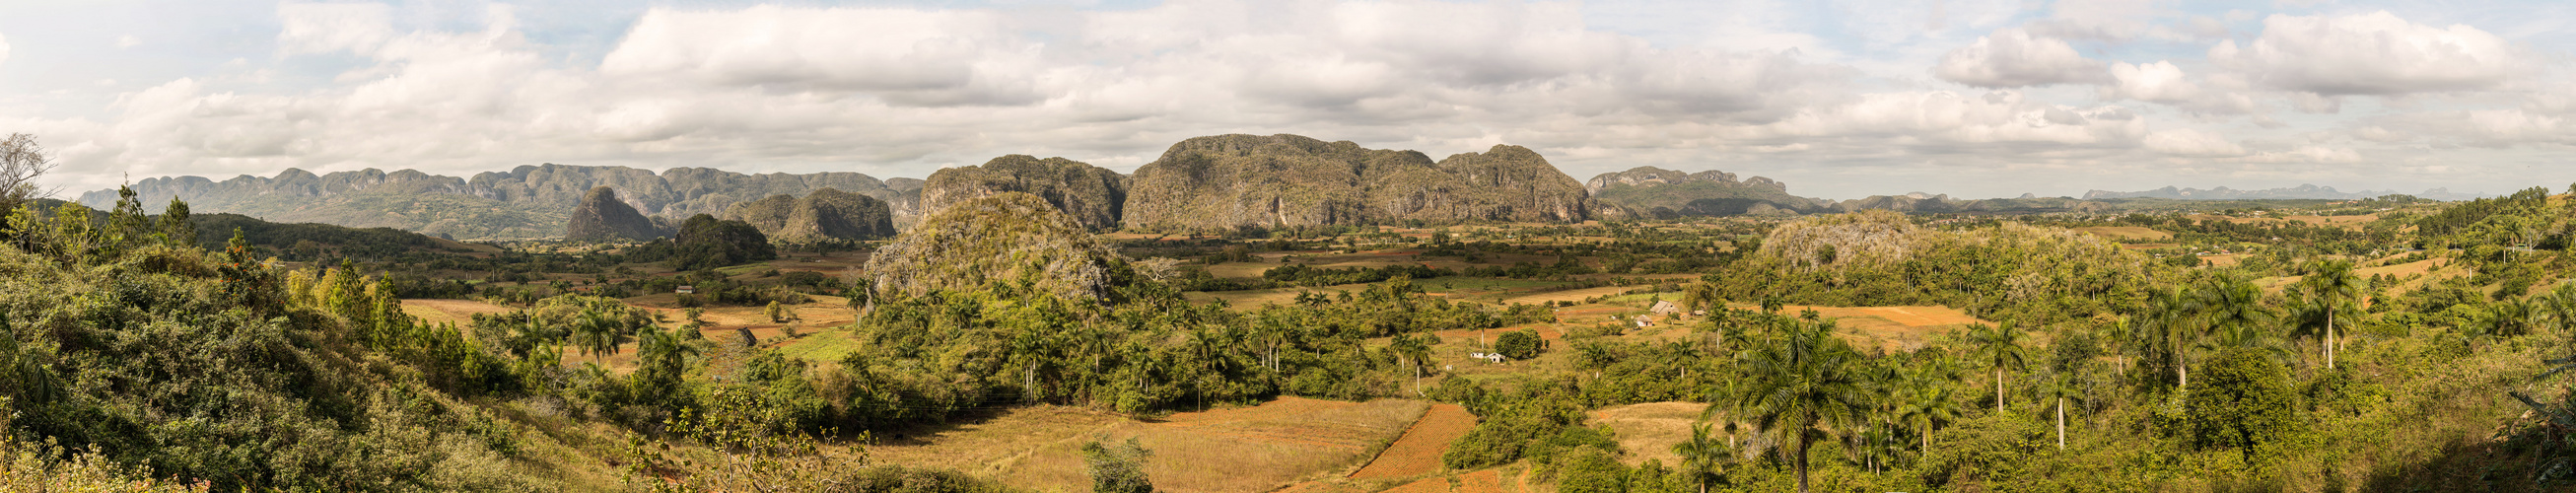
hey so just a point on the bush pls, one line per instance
(2242, 400)
(1118, 468)
(1518, 344)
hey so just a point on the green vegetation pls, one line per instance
(2405, 345)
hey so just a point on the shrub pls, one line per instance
(1518, 344)
(2242, 400)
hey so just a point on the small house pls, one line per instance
(688, 290)
(1486, 357)
(1643, 321)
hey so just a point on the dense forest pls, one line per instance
(2382, 344)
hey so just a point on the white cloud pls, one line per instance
(4, 49)
(128, 41)
(2160, 82)
(2309, 154)
(330, 27)
(2012, 57)
(2370, 54)
(2190, 142)
(2107, 20)
(900, 91)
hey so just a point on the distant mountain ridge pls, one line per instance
(2304, 191)
(524, 203)
(1651, 192)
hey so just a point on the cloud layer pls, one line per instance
(2072, 91)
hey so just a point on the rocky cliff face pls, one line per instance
(1648, 192)
(601, 217)
(525, 202)
(1226, 181)
(827, 214)
(1092, 195)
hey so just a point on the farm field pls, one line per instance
(1266, 447)
(1648, 431)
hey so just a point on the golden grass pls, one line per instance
(1892, 327)
(1260, 448)
(459, 312)
(1649, 430)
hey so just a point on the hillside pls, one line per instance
(1093, 195)
(1005, 237)
(1650, 192)
(1228, 181)
(601, 217)
(826, 214)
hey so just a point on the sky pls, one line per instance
(1838, 98)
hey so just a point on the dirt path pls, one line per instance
(1418, 451)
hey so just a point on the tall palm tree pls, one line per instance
(2232, 307)
(2335, 290)
(1999, 347)
(1703, 455)
(596, 334)
(1929, 405)
(2059, 389)
(1800, 386)
(2166, 332)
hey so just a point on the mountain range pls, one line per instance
(1201, 184)
(2304, 191)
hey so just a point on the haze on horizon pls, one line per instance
(1841, 99)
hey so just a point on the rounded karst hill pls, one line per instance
(825, 214)
(1004, 237)
(1229, 181)
(1093, 195)
(601, 217)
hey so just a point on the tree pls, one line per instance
(2247, 401)
(1800, 386)
(775, 313)
(1414, 353)
(2334, 290)
(1702, 296)
(2059, 389)
(1930, 404)
(2231, 306)
(1702, 456)
(22, 161)
(1998, 347)
(1118, 468)
(2165, 332)
(595, 334)
(1518, 344)
(178, 229)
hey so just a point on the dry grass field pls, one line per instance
(1891, 327)
(459, 312)
(1418, 451)
(1263, 448)
(1648, 431)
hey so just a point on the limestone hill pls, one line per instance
(826, 214)
(1227, 181)
(601, 217)
(1093, 195)
(1650, 192)
(1005, 237)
